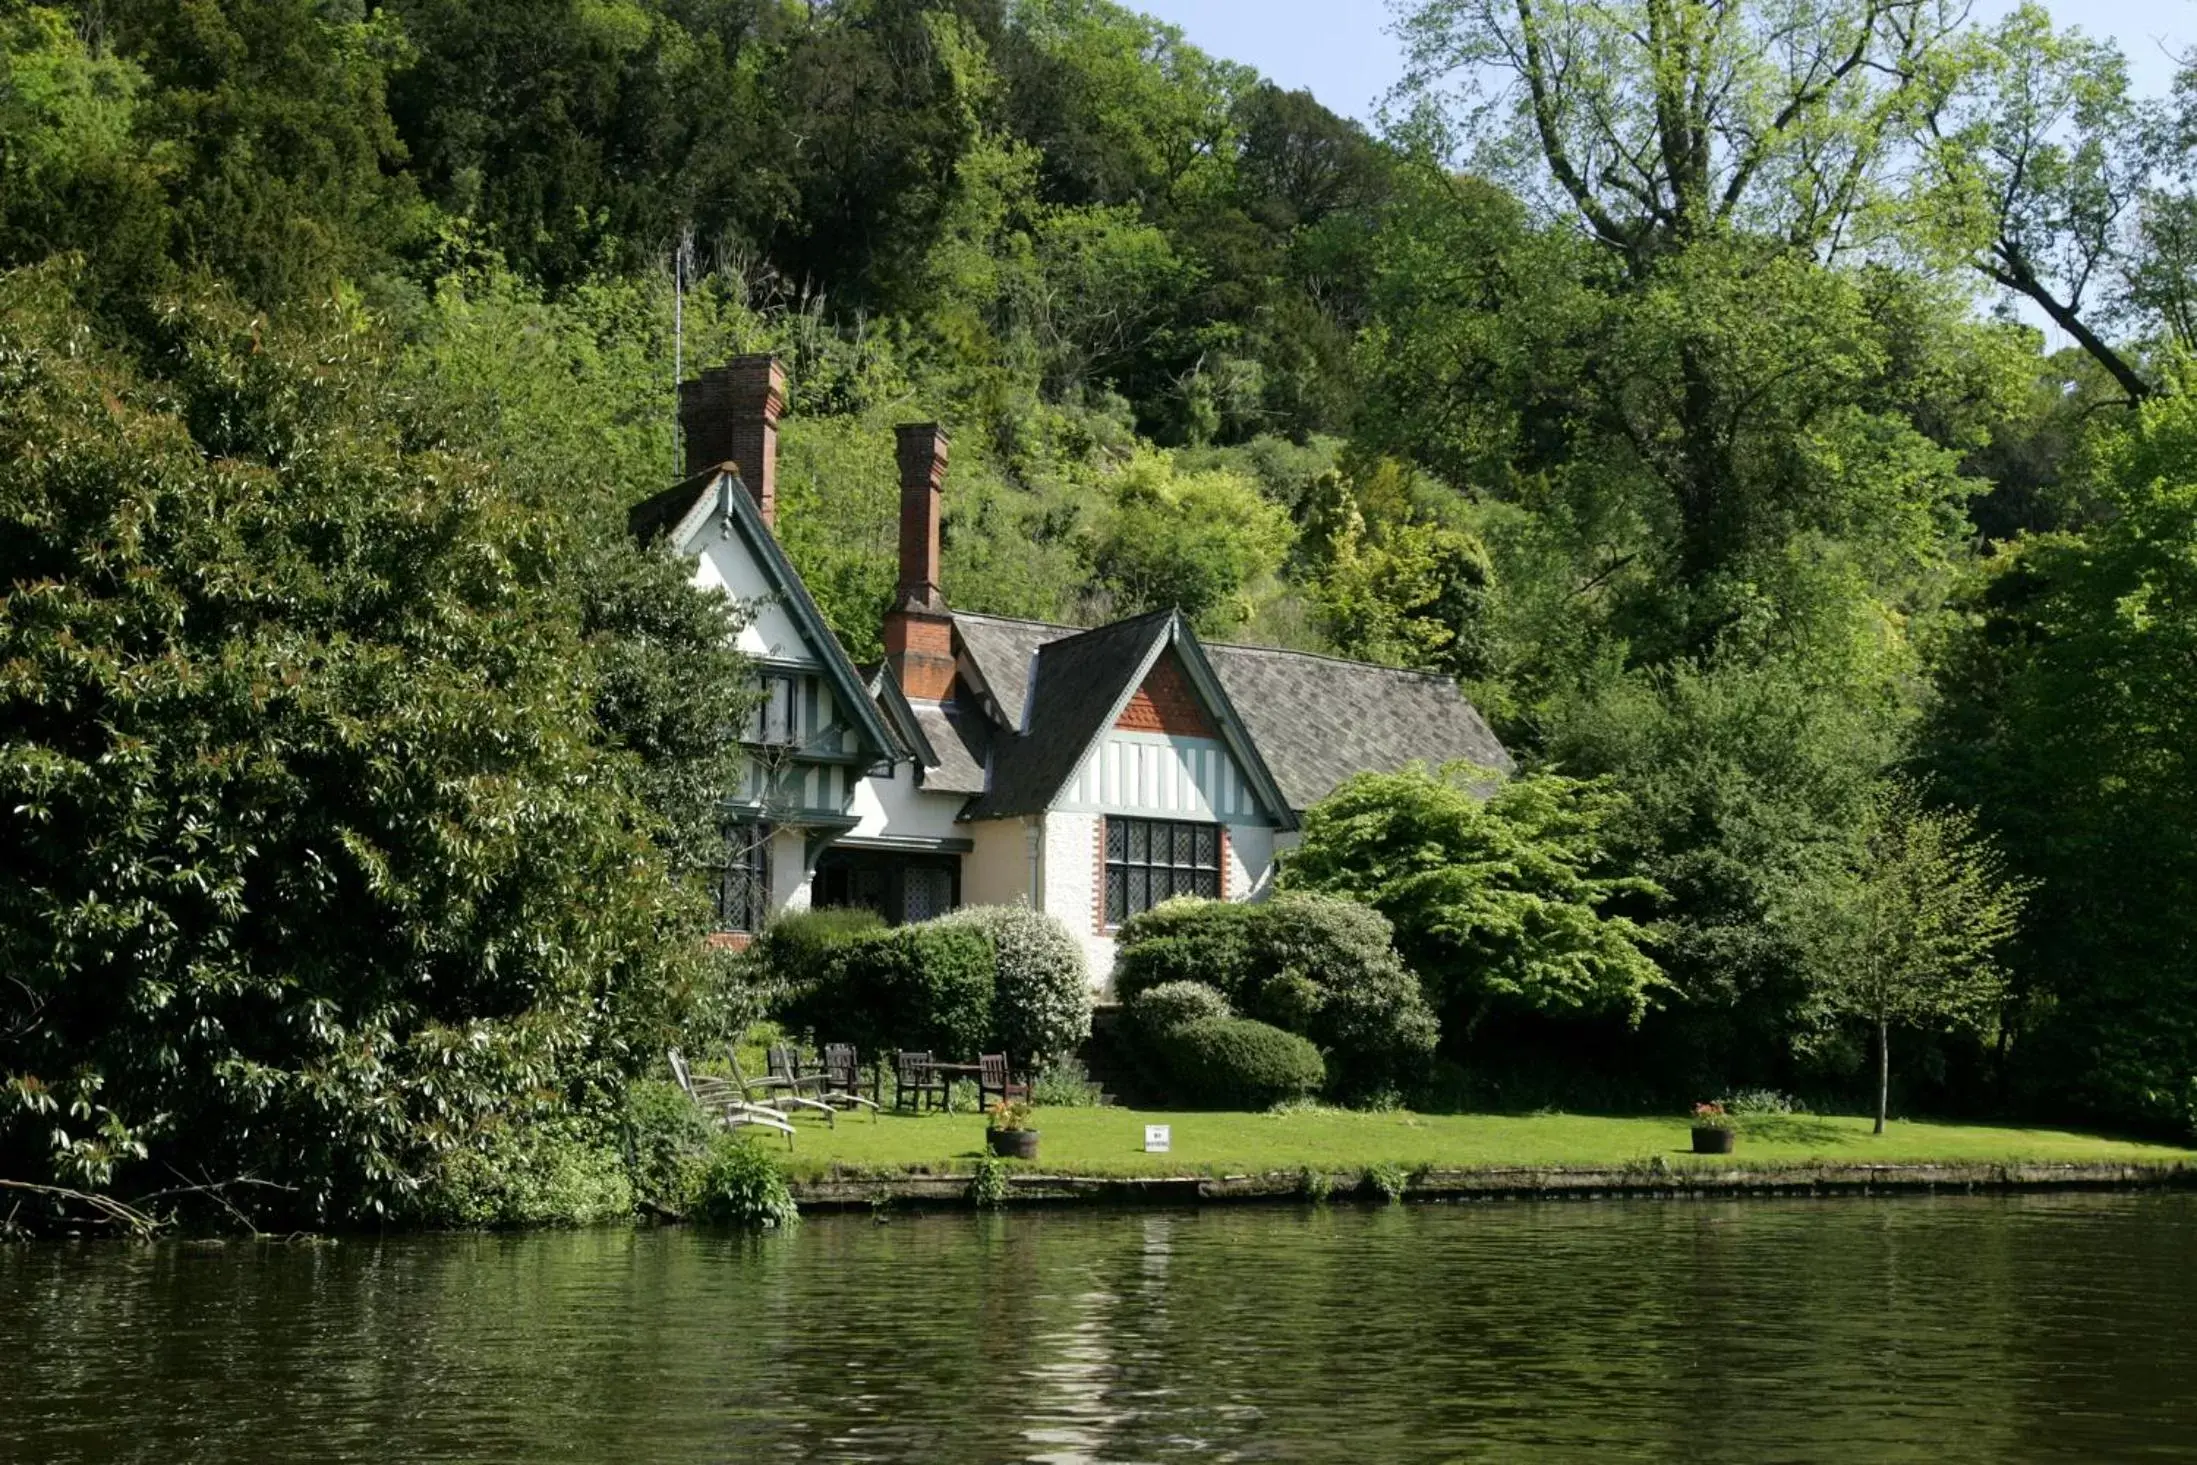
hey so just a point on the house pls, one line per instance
(1090, 772)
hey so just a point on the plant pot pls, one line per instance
(1714, 1140)
(1012, 1144)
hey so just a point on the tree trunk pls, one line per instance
(1884, 1070)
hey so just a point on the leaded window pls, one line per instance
(1151, 860)
(743, 881)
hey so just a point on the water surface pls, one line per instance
(2033, 1328)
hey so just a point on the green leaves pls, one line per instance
(1510, 901)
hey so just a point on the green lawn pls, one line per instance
(1110, 1142)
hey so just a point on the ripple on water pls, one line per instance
(2030, 1328)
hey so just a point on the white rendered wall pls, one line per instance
(997, 871)
(789, 871)
(725, 563)
(898, 806)
(1250, 862)
(1071, 862)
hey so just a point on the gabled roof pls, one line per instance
(681, 513)
(1319, 719)
(1077, 690)
(1316, 719)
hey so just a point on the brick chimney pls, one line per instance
(729, 414)
(919, 640)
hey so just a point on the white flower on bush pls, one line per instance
(1041, 1000)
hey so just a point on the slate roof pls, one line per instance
(1081, 679)
(959, 737)
(1319, 719)
(1315, 719)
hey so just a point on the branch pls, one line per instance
(110, 1210)
(1552, 143)
(2020, 278)
(1808, 95)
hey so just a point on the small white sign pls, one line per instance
(1158, 1139)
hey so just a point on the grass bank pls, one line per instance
(1108, 1144)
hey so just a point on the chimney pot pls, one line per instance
(729, 414)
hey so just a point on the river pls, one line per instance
(2030, 1328)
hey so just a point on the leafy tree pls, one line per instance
(318, 865)
(1905, 925)
(1507, 898)
(2037, 159)
(1195, 541)
(2066, 722)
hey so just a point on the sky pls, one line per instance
(1341, 52)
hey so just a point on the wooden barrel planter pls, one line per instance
(1013, 1144)
(1711, 1140)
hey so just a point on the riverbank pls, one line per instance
(1097, 1155)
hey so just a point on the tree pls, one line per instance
(1196, 541)
(2065, 720)
(2036, 160)
(316, 864)
(1507, 898)
(1905, 925)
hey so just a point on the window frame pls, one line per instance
(1196, 854)
(751, 876)
(760, 731)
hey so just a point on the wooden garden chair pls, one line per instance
(992, 1078)
(721, 1102)
(779, 1091)
(843, 1079)
(916, 1082)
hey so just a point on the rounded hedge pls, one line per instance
(1240, 1063)
(926, 987)
(1158, 1011)
(1041, 987)
(1211, 942)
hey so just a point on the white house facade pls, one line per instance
(1090, 772)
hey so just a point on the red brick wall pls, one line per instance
(921, 650)
(1167, 703)
(728, 940)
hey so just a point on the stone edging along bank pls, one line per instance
(854, 1191)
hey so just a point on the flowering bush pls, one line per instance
(1712, 1116)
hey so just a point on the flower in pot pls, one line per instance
(1714, 1130)
(1009, 1132)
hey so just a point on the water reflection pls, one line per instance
(2028, 1329)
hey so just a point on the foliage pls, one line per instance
(1904, 925)
(2065, 724)
(1307, 963)
(667, 1138)
(1239, 1063)
(926, 987)
(1064, 1084)
(793, 957)
(990, 1182)
(1387, 1180)
(543, 1175)
(320, 867)
(1508, 899)
(1197, 542)
(1159, 1010)
(1041, 988)
(741, 1185)
(1008, 1115)
(1712, 1116)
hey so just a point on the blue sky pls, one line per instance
(1341, 51)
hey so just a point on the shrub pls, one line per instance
(667, 1134)
(1239, 1063)
(924, 986)
(988, 1184)
(1188, 940)
(1065, 1084)
(550, 1174)
(741, 1185)
(1387, 1180)
(1158, 1011)
(1318, 966)
(1041, 987)
(792, 962)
